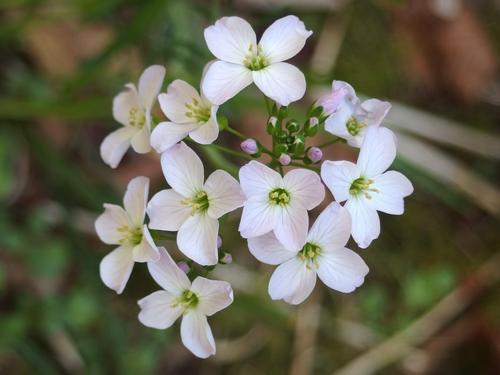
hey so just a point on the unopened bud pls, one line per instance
(227, 259)
(219, 242)
(315, 154)
(271, 125)
(312, 126)
(183, 266)
(285, 159)
(249, 146)
(298, 145)
(292, 126)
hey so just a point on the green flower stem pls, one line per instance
(305, 166)
(236, 132)
(230, 152)
(333, 141)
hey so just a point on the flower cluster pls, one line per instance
(276, 205)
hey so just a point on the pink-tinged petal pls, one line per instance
(332, 228)
(373, 111)
(166, 211)
(197, 239)
(365, 221)
(230, 38)
(257, 179)
(135, 199)
(341, 269)
(224, 194)
(116, 267)
(196, 334)
(269, 250)
(336, 123)
(224, 80)
(292, 226)
(173, 103)
(378, 151)
(208, 132)
(338, 176)
(157, 310)
(146, 250)
(167, 134)
(116, 144)
(282, 82)
(305, 188)
(167, 274)
(123, 103)
(389, 190)
(213, 295)
(258, 217)
(292, 281)
(150, 84)
(108, 224)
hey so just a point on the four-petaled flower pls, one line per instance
(323, 253)
(125, 227)
(242, 61)
(194, 302)
(365, 186)
(189, 114)
(278, 204)
(348, 117)
(193, 207)
(132, 109)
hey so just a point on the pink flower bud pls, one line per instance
(227, 258)
(313, 121)
(183, 266)
(219, 242)
(285, 159)
(249, 146)
(315, 154)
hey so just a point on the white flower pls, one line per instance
(278, 204)
(242, 61)
(193, 207)
(189, 114)
(194, 302)
(348, 117)
(323, 253)
(132, 109)
(365, 186)
(125, 227)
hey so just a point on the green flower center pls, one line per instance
(130, 236)
(198, 203)
(187, 300)
(137, 118)
(197, 111)
(361, 185)
(255, 59)
(279, 197)
(354, 126)
(309, 254)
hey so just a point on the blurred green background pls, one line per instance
(430, 303)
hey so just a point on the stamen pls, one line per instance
(137, 118)
(279, 197)
(309, 254)
(199, 202)
(354, 126)
(187, 300)
(255, 59)
(197, 111)
(130, 236)
(361, 185)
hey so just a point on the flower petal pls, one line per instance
(224, 193)
(229, 39)
(166, 134)
(390, 189)
(338, 176)
(258, 179)
(373, 111)
(197, 239)
(135, 199)
(116, 267)
(157, 311)
(292, 226)
(208, 132)
(336, 123)
(167, 274)
(258, 217)
(150, 84)
(305, 187)
(378, 151)
(365, 221)
(213, 295)
(341, 269)
(282, 82)
(224, 80)
(196, 334)
(108, 223)
(140, 141)
(292, 281)
(116, 144)
(183, 170)
(123, 103)
(284, 39)
(146, 251)
(332, 228)
(269, 250)
(173, 103)
(166, 212)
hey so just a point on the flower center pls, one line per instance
(354, 126)
(279, 197)
(130, 236)
(197, 111)
(361, 185)
(137, 118)
(198, 203)
(255, 59)
(187, 300)
(309, 254)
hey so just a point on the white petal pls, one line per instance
(108, 223)
(116, 144)
(391, 187)
(282, 82)
(292, 226)
(123, 103)
(269, 250)
(197, 239)
(305, 187)
(378, 151)
(224, 193)
(338, 176)
(141, 142)
(332, 228)
(183, 170)
(173, 103)
(166, 212)
(135, 199)
(258, 217)
(336, 123)
(213, 295)
(224, 80)
(167, 134)
(284, 38)
(150, 85)
(157, 311)
(292, 281)
(341, 269)
(208, 132)
(116, 267)
(167, 274)
(365, 221)
(146, 251)
(373, 111)
(257, 179)
(230, 38)
(196, 334)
